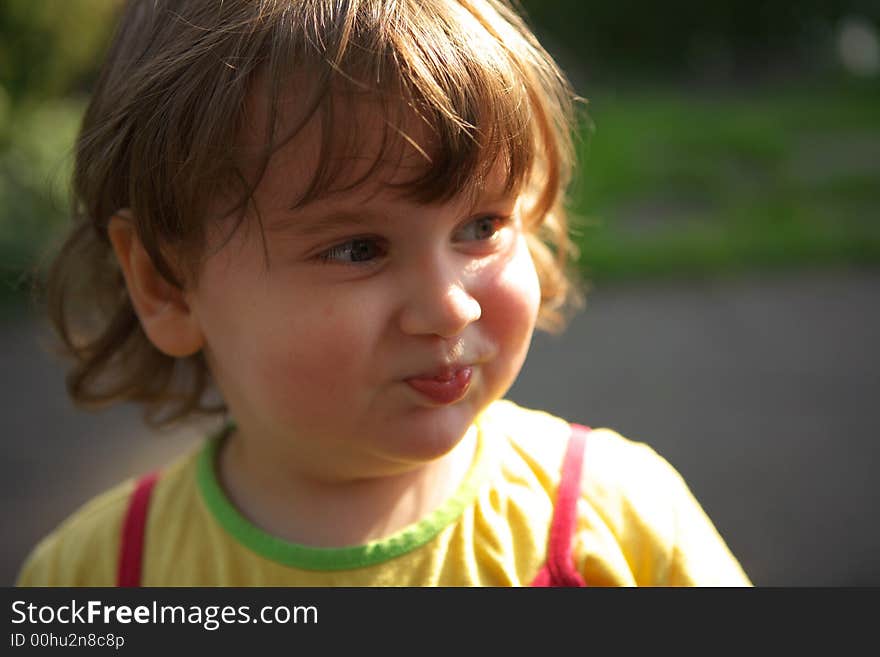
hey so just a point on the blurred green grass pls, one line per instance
(671, 182)
(686, 183)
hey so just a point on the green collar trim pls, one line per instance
(345, 558)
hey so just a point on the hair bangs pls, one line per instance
(434, 105)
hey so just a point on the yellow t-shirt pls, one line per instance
(638, 524)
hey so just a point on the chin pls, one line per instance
(434, 432)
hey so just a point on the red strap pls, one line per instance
(131, 549)
(559, 569)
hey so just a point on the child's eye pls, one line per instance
(480, 229)
(354, 251)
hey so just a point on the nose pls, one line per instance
(438, 303)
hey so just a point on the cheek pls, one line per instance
(305, 354)
(315, 356)
(512, 301)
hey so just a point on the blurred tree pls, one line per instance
(691, 37)
(49, 55)
(48, 49)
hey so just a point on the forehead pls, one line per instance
(311, 138)
(297, 150)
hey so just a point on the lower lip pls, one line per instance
(443, 391)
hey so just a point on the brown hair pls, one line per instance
(160, 132)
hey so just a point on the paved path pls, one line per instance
(761, 392)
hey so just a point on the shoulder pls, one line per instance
(634, 503)
(613, 465)
(83, 550)
(632, 487)
(661, 527)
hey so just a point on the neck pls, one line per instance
(292, 505)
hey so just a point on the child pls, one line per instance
(344, 220)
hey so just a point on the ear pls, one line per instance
(161, 306)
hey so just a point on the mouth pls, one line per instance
(445, 386)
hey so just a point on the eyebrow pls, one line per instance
(308, 224)
(311, 225)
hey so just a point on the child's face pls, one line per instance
(381, 326)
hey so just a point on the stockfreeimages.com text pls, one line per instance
(211, 617)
